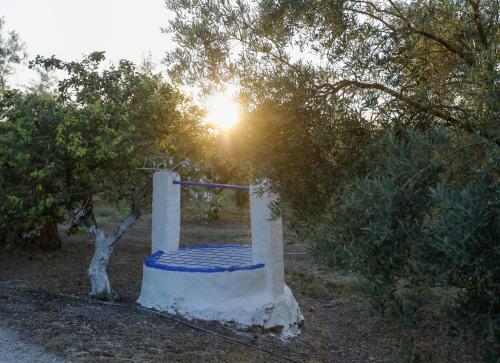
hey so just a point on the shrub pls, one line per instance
(414, 222)
(466, 230)
(30, 202)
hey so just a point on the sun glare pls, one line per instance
(223, 110)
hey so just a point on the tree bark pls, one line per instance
(49, 239)
(97, 271)
(99, 282)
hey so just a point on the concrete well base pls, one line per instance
(240, 296)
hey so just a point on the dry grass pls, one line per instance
(339, 325)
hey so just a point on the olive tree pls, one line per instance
(11, 52)
(343, 99)
(329, 75)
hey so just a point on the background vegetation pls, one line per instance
(377, 122)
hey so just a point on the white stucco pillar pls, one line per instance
(267, 240)
(166, 211)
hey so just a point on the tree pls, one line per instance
(343, 99)
(222, 166)
(368, 53)
(31, 202)
(331, 73)
(424, 218)
(11, 53)
(116, 120)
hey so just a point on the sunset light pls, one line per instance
(222, 110)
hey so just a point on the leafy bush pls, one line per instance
(466, 230)
(31, 204)
(414, 222)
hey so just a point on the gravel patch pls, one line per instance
(13, 350)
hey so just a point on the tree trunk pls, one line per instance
(49, 238)
(100, 287)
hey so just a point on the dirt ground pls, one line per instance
(339, 325)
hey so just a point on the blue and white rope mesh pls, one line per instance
(208, 258)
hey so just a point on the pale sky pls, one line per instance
(128, 29)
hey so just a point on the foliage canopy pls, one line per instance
(328, 74)
(11, 53)
(378, 123)
(60, 151)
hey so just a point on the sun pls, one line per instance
(222, 110)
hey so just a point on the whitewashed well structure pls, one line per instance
(224, 282)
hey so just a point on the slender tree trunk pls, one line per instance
(97, 271)
(49, 238)
(98, 276)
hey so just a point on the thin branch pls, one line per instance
(428, 35)
(373, 16)
(276, 57)
(450, 154)
(133, 215)
(375, 7)
(340, 85)
(91, 223)
(476, 14)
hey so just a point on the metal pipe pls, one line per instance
(211, 185)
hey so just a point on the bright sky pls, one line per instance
(68, 29)
(124, 29)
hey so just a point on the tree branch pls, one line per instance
(450, 154)
(428, 35)
(373, 16)
(133, 215)
(420, 107)
(476, 14)
(336, 87)
(86, 214)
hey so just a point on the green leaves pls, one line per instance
(368, 117)
(29, 177)
(11, 53)
(466, 232)
(61, 151)
(411, 225)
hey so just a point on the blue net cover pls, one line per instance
(208, 258)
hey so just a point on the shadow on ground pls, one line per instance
(338, 324)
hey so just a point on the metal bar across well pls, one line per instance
(211, 185)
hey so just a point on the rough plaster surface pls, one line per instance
(237, 296)
(267, 240)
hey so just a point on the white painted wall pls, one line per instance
(267, 240)
(166, 211)
(236, 296)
